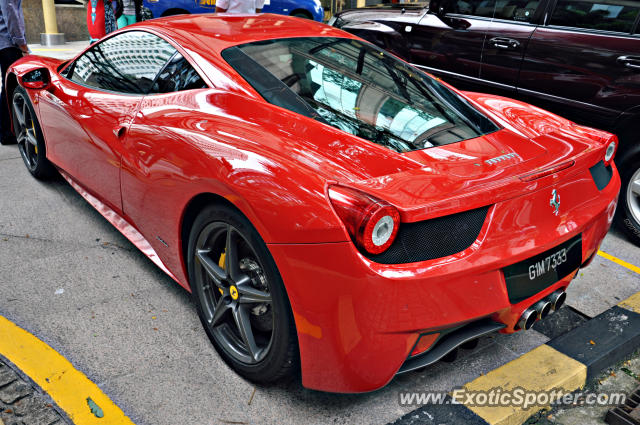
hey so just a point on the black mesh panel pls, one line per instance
(601, 174)
(436, 238)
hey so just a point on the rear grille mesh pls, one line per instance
(601, 174)
(435, 238)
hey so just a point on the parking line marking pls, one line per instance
(619, 261)
(632, 303)
(67, 386)
(541, 369)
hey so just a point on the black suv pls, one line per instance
(578, 58)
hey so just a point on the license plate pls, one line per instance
(534, 274)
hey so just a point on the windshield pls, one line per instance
(360, 89)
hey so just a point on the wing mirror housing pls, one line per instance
(37, 79)
(438, 8)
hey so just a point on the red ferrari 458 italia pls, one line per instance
(330, 207)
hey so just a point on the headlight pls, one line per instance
(332, 20)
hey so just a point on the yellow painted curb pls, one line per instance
(541, 369)
(632, 303)
(72, 391)
(619, 261)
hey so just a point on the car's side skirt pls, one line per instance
(120, 223)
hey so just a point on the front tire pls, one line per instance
(629, 208)
(240, 297)
(29, 135)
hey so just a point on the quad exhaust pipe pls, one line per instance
(528, 318)
(542, 309)
(557, 299)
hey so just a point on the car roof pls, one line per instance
(216, 32)
(204, 37)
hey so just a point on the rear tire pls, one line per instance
(29, 136)
(629, 204)
(229, 269)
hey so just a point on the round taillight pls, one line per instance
(610, 152)
(372, 223)
(379, 229)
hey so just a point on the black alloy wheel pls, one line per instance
(240, 296)
(29, 135)
(629, 204)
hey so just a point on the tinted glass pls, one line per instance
(516, 10)
(177, 75)
(606, 15)
(127, 63)
(359, 89)
(484, 8)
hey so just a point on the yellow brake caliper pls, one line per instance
(33, 128)
(221, 264)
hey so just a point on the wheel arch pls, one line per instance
(12, 83)
(190, 212)
(305, 12)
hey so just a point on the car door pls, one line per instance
(156, 159)
(507, 37)
(585, 62)
(449, 43)
(91, 107)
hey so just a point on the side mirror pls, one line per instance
(38, 79)
(438, 8)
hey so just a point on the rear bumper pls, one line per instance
(357, 321)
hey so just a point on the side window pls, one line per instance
(126, 63)
(514, 10)
(483, 8)
(177, 75)
(606, 15)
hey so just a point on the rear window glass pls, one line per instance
(604, 15)
(358, 88)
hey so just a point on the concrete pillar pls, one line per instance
(51, 36)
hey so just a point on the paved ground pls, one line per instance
(64, 51)
(70, 278)
(624, 377)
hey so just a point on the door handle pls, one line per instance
(119, 131)
(504, 43)
(629, 61)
